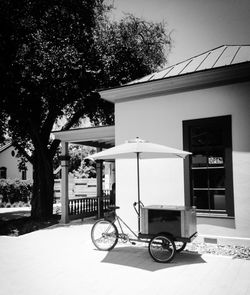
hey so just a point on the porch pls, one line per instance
(81, 207)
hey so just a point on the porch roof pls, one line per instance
(103, 137)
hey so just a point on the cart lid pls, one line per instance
(169, 207)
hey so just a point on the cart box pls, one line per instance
(179, 221)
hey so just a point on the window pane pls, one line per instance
(216, 178)
(216, 158)
(200, 178)
(199, 160)
(200, 199)
(217, 200)
(206, 136)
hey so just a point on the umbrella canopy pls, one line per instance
(139, 149)
(145, 149)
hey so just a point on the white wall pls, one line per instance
(11, 163)
(159, 119)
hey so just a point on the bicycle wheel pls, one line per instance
(104, 235)
(179, 246)
(162, 248)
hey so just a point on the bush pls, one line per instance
(14, 191)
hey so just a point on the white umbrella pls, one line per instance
(139, 149)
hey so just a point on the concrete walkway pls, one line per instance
(62, 260)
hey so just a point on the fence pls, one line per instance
(86, 207)
(83, 201)
(78, 188)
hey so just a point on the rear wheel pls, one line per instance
(162, 248)
(104, 235)
(180, 246)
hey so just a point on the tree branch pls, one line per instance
(48, 125)
(22, 151)
(71, 122)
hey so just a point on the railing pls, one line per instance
(86, 207)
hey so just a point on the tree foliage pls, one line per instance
(130, 49)
(78, 165)
(54, 56)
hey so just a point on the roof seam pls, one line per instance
(219, 56)
(202, 61)
(239, 47)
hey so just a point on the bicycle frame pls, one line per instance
(122, 235)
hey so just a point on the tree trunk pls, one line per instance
(43, 186)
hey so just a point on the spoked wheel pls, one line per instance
(179, 246)
(162, 248)
(104, 235)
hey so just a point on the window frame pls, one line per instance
(226, 122)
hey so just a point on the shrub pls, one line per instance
(16, 190)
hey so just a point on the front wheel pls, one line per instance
(104, 235)
(162, 248)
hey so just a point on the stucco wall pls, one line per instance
(159, 119)
(10, 162)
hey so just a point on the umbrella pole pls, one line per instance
(138, 186)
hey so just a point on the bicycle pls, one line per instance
(105, 235)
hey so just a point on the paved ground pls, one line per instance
(62, 260)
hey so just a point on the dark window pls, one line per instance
(24, 174)
(3, 172)
(208, 172)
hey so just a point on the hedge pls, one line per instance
(15, 190)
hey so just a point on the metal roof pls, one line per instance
(218, 57)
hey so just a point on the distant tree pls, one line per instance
(130, 49)
(80, 167)
(54, 56)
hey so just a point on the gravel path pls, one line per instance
(240, 252)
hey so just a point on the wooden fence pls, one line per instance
(86, 207)
(78, 188)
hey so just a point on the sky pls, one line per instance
(196, 25)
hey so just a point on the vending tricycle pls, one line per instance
(166, 229)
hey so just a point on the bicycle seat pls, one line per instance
(113, 207)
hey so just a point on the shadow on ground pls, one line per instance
(14, 215)
(139, 257)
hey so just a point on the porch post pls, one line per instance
(99, 165)
(112, 168)
(64, 183)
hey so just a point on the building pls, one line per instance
(9, 164)
(200, 105)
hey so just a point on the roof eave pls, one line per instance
(186, 82)
(101, 136)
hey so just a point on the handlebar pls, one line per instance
(140, 204)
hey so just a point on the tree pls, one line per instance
(54, 56)
(130, 49)
(78, 165)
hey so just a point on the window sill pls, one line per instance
(213, 215)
